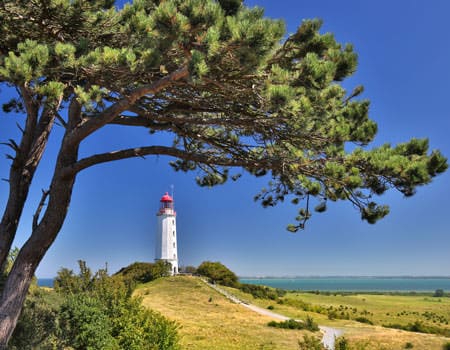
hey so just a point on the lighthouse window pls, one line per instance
(174, 233)
(174, 244)
(173, 222)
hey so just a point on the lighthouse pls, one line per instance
(166, 234)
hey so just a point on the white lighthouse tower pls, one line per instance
(166, 235)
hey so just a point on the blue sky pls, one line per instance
(404, 64)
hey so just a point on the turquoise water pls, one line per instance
(351, 284)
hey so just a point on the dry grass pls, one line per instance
(363, 336)
(378, 338)
(385, 309)
(210, 321)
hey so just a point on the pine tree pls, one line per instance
(216, 75)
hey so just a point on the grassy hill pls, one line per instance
(209, 321)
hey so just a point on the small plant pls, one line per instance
(271, 307)
(310, 343)
(210, 299)
(409, 345)
(363, 320)
(446, 346)
(288, 324)
(438, 293)
(341, 344)
(332, 314)
(310, 325)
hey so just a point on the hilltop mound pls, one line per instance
(210, 321)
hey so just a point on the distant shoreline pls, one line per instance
(388, 284)
(341, 276)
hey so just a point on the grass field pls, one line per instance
(384, 309)
(209, 321)
(379, 309)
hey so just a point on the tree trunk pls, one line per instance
(28, 156)
(8, 226)
(19, 279)
(32, 252)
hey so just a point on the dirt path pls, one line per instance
(329, 333)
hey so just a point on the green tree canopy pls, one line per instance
(218, 273)
(141, 272)
(218, 78)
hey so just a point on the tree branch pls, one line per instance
(124, 103)
(45, 194)
(168, 151)
(61, 120)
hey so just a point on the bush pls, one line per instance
(98, 312)
(418, 326)
(409, 345)
(140, 272)
(438, 293)
(309, 324)
(446, 346)
(84, 323)
(288, 324)
(341, 344)
(363, 320)
(37, 327)
(136, 327)
(261, 292)
(218, 273)
(310, 343)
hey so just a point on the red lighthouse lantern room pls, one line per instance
(166, 204)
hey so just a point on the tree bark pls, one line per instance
(25, 163)
(32, 252)
(29, 257)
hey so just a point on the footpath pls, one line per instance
(329, 334)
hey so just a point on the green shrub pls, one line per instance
(438, 293)
(341, 344)
(84, 323)
(418, 326)
(309, 324)
(446, 346)
(218, 273)
(37, 326)
(271, 307)
(409, 345)
(140, 272)
(136, 327)
(332, 314)
(363, 320)
(261, 292)
(310, 343)
(288, 324)
(98, 313)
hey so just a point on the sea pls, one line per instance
(45, 282)
(355, 284)
(341, 284)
